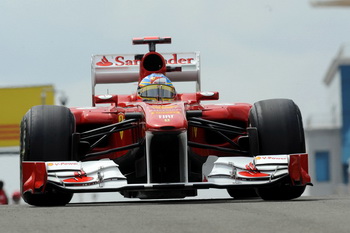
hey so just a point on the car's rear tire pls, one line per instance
(46, 135)
(280, 131)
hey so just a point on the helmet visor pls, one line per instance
(157, 91)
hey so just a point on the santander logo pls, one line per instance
(79, 177)
(104, 62)
(252, 171)
(253, 174)
(122, 61)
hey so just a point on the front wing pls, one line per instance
(218, 172)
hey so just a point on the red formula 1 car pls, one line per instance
(157, 143)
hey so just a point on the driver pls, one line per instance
(156, 87)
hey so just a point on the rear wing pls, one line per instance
(125, 68)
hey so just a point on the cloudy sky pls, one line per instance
(250, 50)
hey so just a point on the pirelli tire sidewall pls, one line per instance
(280, 131)
(279, 125)
(46, 134)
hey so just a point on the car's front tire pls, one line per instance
(242, 194)
(46, 135)
(280, 131)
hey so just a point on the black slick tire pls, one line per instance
(46, 135)
(280, 131)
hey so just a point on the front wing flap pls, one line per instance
(260, 170)
(218, 172)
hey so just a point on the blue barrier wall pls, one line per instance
(345, 95)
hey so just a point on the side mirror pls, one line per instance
(207, 95)
(105, 99)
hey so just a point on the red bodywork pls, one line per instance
(161, 117)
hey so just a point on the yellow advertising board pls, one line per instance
(14, 103)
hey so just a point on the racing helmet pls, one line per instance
(156, 87)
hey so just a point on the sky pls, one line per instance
(250, 50)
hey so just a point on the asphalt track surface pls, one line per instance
(306, 214)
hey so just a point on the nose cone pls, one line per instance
(165, 117)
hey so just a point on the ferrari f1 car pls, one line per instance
(157, 143)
